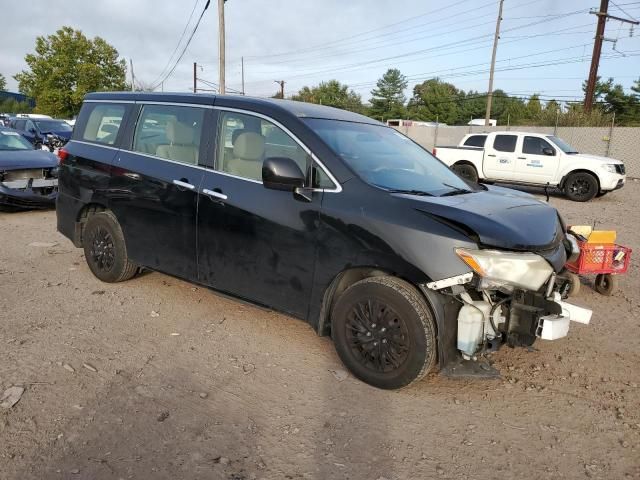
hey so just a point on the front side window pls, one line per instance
(385, 158)
(244, 141)
(170, 132)
(505, 143)
(534, 146)
(103, 124)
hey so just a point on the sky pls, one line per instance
(545, 45)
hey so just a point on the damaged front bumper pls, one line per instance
(505, 303)
(29, 194)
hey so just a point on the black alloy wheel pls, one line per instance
(105, 250)
(378, 336)
(466, 171)
(384, 332)
(581, 187)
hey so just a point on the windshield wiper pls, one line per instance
(455, 191)
(411, 192)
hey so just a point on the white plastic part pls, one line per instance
(448, 282)
(471, 326)
(574, 312)
(553, 327)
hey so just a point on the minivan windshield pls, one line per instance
(385, 158)
(562, 145)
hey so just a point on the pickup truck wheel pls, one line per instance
(601, 194)
(466, 171)
(384, 332)
(581, 187)
(105, 250)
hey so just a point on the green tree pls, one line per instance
(67, 65)
(534, 107)
(388, 98)
(434, 100)
(331, 93)
(3, 83)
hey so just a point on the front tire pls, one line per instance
(105, 250)
(384, 332)
(581, 187)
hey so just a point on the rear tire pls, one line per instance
(384, 332)
(466, 171)
(581, 187)
(105, 250)
(606, 283)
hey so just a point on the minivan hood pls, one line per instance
(595, 158)
(498, 217)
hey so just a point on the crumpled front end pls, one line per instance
(28, 188)
(511, 297)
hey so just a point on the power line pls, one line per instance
(184, 30)
(193, 32)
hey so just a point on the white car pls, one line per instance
(533, 159)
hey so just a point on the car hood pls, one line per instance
(19, 159)
(498, 217)
(594, 158)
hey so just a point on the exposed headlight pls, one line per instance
(524, 270)
(609, 167)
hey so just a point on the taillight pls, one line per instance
(434, 151)
(62, 156)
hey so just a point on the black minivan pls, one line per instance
(320, 213)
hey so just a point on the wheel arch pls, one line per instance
(579, 170)
(82, 217)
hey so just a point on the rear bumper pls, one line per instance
(26, 198)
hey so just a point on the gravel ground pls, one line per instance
(158, 378)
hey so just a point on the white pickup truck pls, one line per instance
(533, 159)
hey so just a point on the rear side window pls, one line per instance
(475, 141)
(535, 145)
(505, 143)
(103, 124)
(170, 132)
(18, 124)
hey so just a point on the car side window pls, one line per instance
(535, 146)
(505, 143)
(18, 125)
(103, 124)
(475, 141)
(244, 141)
(170, 132)
(30, 126)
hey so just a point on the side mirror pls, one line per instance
(282, 173)
(548, 151)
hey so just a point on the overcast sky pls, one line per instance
(307, 41)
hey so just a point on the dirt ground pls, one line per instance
(156, 378)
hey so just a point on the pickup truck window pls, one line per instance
(535, 146)
(475, 141)
(505, 143)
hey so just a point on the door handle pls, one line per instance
(522, 158)
(182, 184)
(213, 193)
(490, 155)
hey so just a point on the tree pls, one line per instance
(3, 83)
(67, 65)
(534, 107)
(388, 98)
(331, 93)
(434, 100)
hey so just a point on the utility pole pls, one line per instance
(242, 65)
(603, 16)
(487, 117)
(221, 48)
(195, 80)
(133, 77)
(281, 83)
